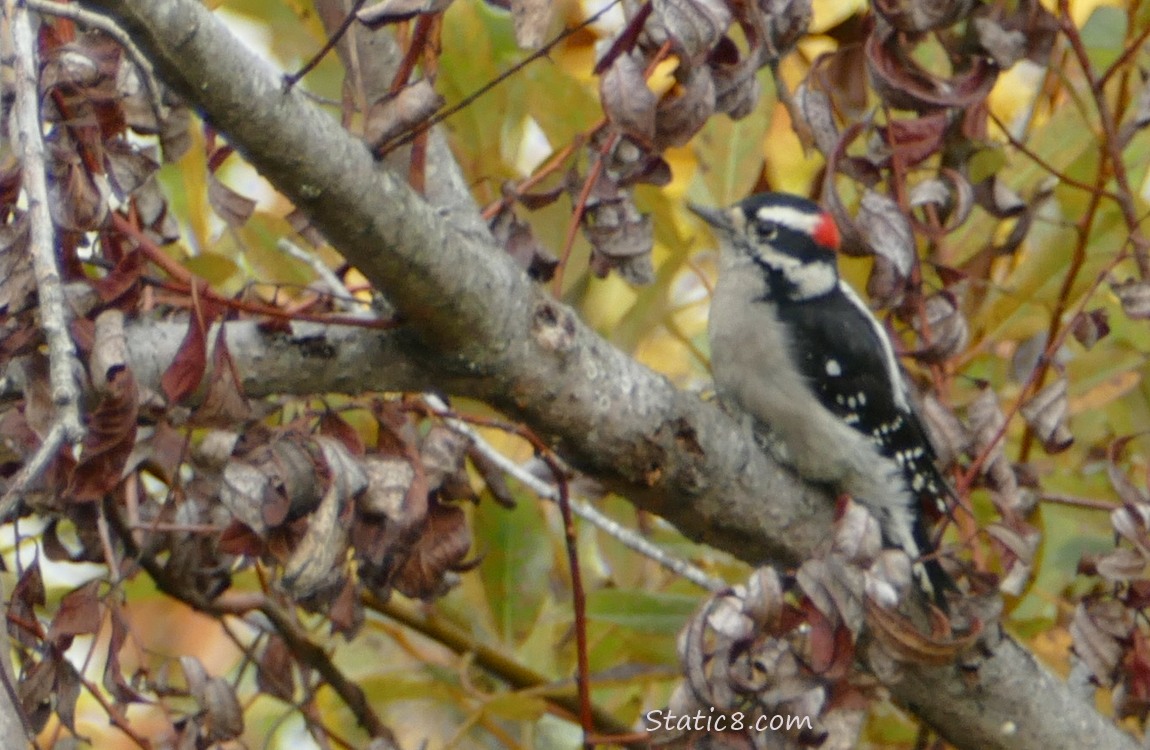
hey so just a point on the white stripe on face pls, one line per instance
(810, 279)
(791, 218)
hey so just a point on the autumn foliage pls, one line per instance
(357, 553)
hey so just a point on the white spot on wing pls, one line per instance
(834, 369)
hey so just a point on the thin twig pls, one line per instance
(1062, 177)
(1110, 144)
(315, 656)
(580, 208)
(1075, 501)
(341, 296)
(292, 79)
(627, 537)
(186, 281)
(543, 51)
(516, 674)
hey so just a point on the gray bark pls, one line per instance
(477, 327)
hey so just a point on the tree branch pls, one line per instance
(478, 323)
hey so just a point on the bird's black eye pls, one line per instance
(767, 230)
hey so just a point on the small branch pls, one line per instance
(33, 468)
(186, 280)
(341, 296)
(1110, 144)
(1075, 501)
(467, 101)
(627, 537)
(317, 658)
(29, 142)
(1062, 177)
(294, 78)
(518, 676)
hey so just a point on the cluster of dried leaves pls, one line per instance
(789, 648)
(1111, 641)
(192, 495)
(330, 516)
(712, 73)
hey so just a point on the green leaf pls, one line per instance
(645, 611)
(730, 153)
(517, 706)
(517, 564)
(986, 162)
(1104, 36)
(214, 268)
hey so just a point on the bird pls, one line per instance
(796, 348)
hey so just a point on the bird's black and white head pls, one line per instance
(789, 239)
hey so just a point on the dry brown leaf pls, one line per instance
(1047, 413)
(229, 205)
(441, 549)
(17, 282)
(627, 101)
(899, 636)
(694, 26)
(109, 439)
(949, 332)
(1098, 629)
(685, 108)
(396, 114)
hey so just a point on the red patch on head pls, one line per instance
(827, 232)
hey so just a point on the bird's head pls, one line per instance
(790, 239)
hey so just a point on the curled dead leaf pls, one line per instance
(694, 26)
(437, 555)
(520, 243)
(947, 326)
(1090, 327)
(1047, 413)
(1134, 295)
(898, 635)
(627, 101)
(903, 84)
(395, 114)
(1121, 565)
(817, 118)
(109, 440)
(784, 22)
(987, 423)
(223, 717)
(948, 435)
(922, 15)
(887, 230)
(315, 564)
(684, 109)
(1098, 631)
(736, 87)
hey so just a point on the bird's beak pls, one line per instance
(713, 216)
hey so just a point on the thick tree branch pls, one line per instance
(479, 325)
